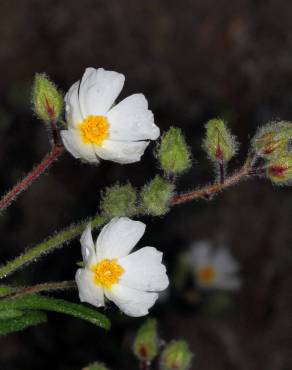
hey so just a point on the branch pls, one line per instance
(72, 231)
(208, 191)
(8, 198)
(45, 287)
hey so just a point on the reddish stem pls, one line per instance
(8, 198)
(208, 191)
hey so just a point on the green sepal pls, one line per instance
(119, 200)
(272, 140)
(145, 346)
(155, 196)
(173, 153)
(219, 144)
(47, 101)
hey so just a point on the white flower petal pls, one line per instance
(223, 261)
(131, 120)
(118, 238)
(87, 246)
(144, 270)
(98, 90)
(73, 112)
(131, 301)
(88, 291)
(122, 151)
(73, 143)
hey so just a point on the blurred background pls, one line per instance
(194, 60)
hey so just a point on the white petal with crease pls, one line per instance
(131, 301)
(73, 143)
(99, 90)
(122, 151)
(144, 270)
(131, 120)
(87, 246)
(118, 238)
(88, 291)
(72, 106)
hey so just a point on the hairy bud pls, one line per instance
(145, 345)
(119, 200)
(279, 169)
(156, 195)
(47, 101)
(173, 153)
(272, 140)
(176, 356)
(219, 144)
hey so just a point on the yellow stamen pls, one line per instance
(106, 273)
(206, 274)
(94, 130)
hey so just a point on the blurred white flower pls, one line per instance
(214, 268)
(131, 281)
(97, 129)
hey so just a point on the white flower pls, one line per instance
(214, 268)
(97, 129)
(131, 281)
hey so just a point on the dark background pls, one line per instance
(194, 60)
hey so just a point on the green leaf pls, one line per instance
(9, 314)
(27, 319)
(4, 290)
(34, 301)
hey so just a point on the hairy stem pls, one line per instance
(208, 191)
(49, 245)
(8, 198)
(45, 287)
(71, 232)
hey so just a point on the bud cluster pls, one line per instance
(175, 356)
(272, 143)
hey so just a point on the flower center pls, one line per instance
(94, 129)
(106, 273)
(206, 274)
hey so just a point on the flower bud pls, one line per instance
(145, 345)
(176, 356)
(273, 139)
(96, 366)
(279, 169)
(47, 101)
(156, 196)
(119, 200)
(173, 153)
(219, 144)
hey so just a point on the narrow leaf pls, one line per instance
(22, 322)
(34, 301)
